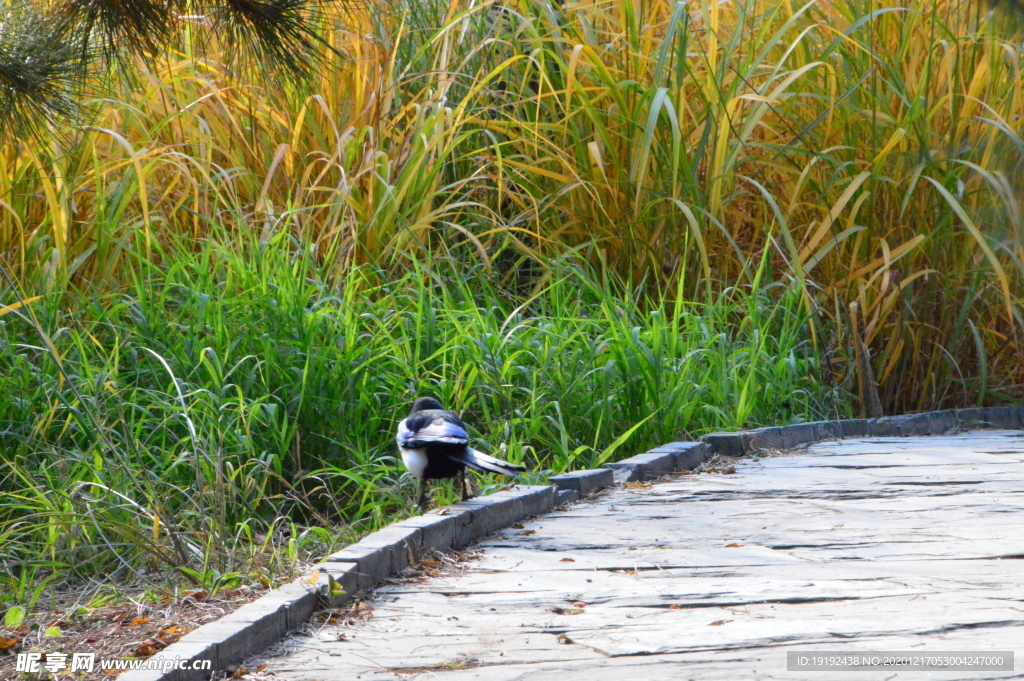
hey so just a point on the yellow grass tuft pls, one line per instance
(871, 149)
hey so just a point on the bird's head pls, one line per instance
(425, 403)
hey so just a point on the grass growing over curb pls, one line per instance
(233, 414)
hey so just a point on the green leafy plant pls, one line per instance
(14, 617)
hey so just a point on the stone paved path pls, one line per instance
(863, 545)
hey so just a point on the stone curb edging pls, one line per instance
(257, 625)
(678, 456)
(265, 621)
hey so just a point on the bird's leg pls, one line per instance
(423, 496)
(466, 492)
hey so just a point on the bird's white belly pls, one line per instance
(415, 461)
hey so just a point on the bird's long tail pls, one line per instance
(483, 463)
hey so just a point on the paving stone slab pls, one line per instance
(882, 543)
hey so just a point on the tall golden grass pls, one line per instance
(871, 149)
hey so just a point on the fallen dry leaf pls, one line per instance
(638, 485)
(567, 560)
(579, 604)
(562, 638)
(517, 526)
(729, 470)
(138, 620)
(711, 470)
(7, 643)
(527, 533)
(149, 648)
(718, 623)
(732, 545)
(675, 606)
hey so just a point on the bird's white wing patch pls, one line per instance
(403, 433)
(436, 431)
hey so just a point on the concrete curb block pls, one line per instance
(583, 482)
(566, 496)
(926, 423)
(257, 625)
(667, 458)
(641, 467)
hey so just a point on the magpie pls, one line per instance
(435, 446)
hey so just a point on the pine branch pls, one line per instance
(39, 73)
(271, 36)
